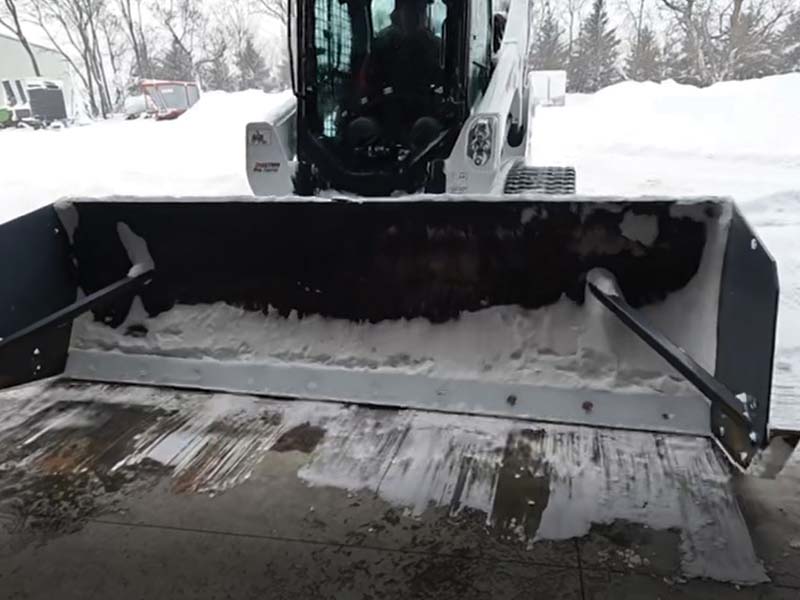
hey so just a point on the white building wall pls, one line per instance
(15, 64)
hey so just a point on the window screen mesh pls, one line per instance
(332, 33)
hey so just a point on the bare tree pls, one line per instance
(574, 13)
(277, 9)
(190, 32)
(214, 49)
(637, 14)
(76, 21)
(722, 40)
(693, 17)
(111, 28)
(131, 13)
(10, 20)
(749, 32)
(183, 20)
(214, 71)
(236, 25)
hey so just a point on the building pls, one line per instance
(15, 64)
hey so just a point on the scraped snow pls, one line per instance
(564, 346)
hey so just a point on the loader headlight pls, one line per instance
(479, 141)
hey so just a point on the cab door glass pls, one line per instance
(479, 49)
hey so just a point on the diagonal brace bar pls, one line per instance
(125, 285)
(676, 356)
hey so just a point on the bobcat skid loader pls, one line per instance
(399, 252)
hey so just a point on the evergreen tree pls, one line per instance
(680, 59)
(548, 50)
(253, 71)
(593, 65)
(176, 64)
(645, 61)
(279, 75)
(217, 75)
(754, 54)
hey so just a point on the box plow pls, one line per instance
(653, 315)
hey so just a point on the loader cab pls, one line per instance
(384, 87)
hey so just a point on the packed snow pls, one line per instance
(566, 346)
(738, 139)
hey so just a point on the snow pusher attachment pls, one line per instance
(653, 314)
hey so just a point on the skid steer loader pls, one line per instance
(405, 255)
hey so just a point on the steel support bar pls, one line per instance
(676, 356)
(80, 306)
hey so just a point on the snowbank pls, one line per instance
(754, 120)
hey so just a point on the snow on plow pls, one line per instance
(652, 315)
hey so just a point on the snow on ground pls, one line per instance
(738, 139)
(201, 153)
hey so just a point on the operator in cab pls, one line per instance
(403, 68)
(406, 55)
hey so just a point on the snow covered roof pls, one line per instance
(33, 44)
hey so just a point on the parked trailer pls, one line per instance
(34, 102)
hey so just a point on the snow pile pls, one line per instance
(225, 111)
(200, 153)
(738, 120)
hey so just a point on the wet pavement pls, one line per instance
(140, 493)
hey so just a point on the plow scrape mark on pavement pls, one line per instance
(70, 460)
(57, 466)
(412, 459)
(21, 403)
(357, 450)
(663, 482)
(551, 482)
(446, 460)
(212, 447)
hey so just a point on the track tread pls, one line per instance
(544, 180)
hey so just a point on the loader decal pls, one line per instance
(263, 138)
(266, 167)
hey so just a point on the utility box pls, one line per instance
(549, 88)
